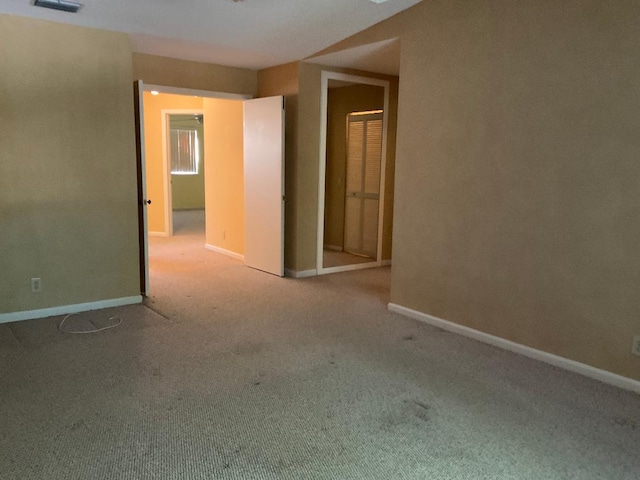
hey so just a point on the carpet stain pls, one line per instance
(625, 422)
(8, 339)
(408, 337)
(249, 348)
(421, 411)
(418, 409)
(412, 412)
(76, 425)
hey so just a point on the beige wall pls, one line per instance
(154, 160)
(308, 166)
(517, 192)
(187, 191)
(340, 102)
(284, 80)
(224, 174)
(172, 72)
(68, 211)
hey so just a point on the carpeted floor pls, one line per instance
(231, 373)
(188, 222)
(337, 259)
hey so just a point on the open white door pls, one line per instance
(143, 201)
(264, 184)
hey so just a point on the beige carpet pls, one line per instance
(233, 373)
(188, 222)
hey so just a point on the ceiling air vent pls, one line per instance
(64, 5)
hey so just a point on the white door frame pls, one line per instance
(324, 89)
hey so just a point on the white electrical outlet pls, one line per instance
(636, 345)
(36, 285)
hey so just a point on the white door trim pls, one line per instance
(325, 77)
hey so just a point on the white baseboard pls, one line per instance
(386, 263)
(561, 362)
(348, 268)
(300, 274)
(333, 248)
(228, 253)
(158, 234)
(66, 309)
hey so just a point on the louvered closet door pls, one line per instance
(364, 154)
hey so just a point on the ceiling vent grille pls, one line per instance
(64, 5)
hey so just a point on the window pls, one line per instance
(185, 151)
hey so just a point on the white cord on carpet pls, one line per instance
(88, 331)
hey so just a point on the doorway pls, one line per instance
(354, 124)
(235, 149)
(185, 149)
(183, 170)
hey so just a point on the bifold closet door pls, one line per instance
(362, 192)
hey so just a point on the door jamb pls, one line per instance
(143, 231)
(324, 88)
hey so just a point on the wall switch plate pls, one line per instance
(36, 285)
(636, 345)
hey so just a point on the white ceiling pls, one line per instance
(249, 33)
